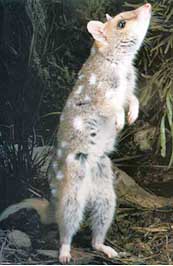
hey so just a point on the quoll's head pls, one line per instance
(122, 33)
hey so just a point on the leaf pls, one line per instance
(163, 137)
(51, 114)
(169, 109)
(171, 159)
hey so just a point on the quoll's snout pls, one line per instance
(147, 6)
(144, 11)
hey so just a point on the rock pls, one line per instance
(19, 239)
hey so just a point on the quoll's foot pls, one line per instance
(64, 254)
(110, 252)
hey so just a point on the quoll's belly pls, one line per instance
(87, 133)
(91, 140)
(101, 137)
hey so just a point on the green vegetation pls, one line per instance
(156, 67)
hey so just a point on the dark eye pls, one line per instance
(121, 24)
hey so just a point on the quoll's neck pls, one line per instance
(116, 56)
(109, 67)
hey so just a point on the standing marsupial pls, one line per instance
(81, 172)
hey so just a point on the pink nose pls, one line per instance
(147, 6)
(144, 11)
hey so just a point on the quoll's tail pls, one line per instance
(42, 206)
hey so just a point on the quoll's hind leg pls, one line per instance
(70, 209)
(101, 220)
(103, 206)
(71, 203)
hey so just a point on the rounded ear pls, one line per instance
(96, 28)
(108, 17)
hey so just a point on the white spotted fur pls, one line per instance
(81, 77)
(79, 89)
(53, 192)
(92, 79)
(61, 117)
(59, 175)
(70, 158)
(78, 123)
(64, 144)
(87, 98)
(59, 153)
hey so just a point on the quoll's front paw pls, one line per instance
(133, 111)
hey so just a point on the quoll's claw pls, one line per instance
(131, 118)
(133, 111)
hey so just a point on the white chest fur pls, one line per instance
(117, 95)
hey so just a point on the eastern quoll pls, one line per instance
(93, 115)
